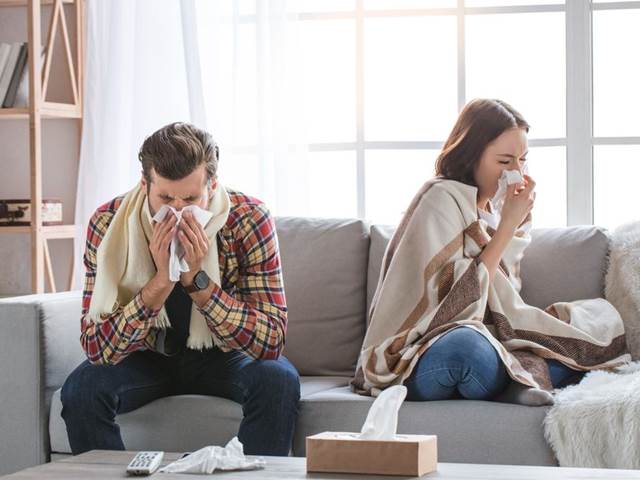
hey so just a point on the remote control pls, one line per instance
(145, 463)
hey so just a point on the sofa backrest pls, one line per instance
(560, 264)
(331, 269)
(324, 264)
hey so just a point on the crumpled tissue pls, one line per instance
(177, 264)
(508, 177)
(208, 459)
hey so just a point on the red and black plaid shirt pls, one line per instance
(247, 312)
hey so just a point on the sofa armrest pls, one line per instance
(39, 346)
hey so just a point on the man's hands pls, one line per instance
(196, 245)
(156, 291)
(159, 245)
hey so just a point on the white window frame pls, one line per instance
(579, 140)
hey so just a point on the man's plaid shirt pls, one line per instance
(247, 312)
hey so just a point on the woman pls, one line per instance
(447, 319)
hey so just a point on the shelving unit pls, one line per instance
(40, 109)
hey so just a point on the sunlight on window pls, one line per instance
(405, 4)
(328, 60)
(507, 58)
(240, 172)
(548, 167)
(332, 192)
(616, 173)
(410, 92)
(508, 3)
(616, 73)
(410, 78)
(393, 177)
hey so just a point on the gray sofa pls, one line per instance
(330, 271)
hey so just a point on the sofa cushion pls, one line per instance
(324, 264)
(380, 237)
(151, 428)
(560, 264)
(564, 264)
(468, 431)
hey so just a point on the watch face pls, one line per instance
(201, 280)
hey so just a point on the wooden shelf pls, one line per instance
(23, 3)
(50, 232)
(40, 109)
(48, 110)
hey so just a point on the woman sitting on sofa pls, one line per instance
(447, 320)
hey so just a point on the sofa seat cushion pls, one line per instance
(468, 431)
(194, 421)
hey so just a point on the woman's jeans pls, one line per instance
(463, 364)
(268, 390)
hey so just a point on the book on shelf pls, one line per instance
(14, 75)
(5, 48)
(9, 67)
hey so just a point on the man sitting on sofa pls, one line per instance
(183, 295)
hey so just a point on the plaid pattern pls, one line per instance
(247, 312)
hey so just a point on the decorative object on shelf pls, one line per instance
(18, 212)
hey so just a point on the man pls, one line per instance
(214, 327)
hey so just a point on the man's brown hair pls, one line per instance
(176, 150)
(480, 123)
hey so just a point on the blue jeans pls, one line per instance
(269, 391)
(463, 364)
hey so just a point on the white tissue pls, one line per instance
(508, 177)
(382, 419)
(208, 459)
(177, 264)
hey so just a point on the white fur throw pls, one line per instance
(596, 423)
(622, 283)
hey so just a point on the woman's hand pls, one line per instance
(517, 204)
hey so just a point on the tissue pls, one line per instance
(208, 459)
(382, 419)
(177, 264)
(508, 177)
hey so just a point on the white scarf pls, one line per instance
(125, 265)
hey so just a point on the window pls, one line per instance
(381, 83)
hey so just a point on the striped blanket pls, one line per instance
(432, 281)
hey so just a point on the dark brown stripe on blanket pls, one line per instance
(436, 263)
(463, 293)
(536, 366)
(445, 280)
(584, 353)
(392, 353)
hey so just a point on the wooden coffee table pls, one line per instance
(104, 464)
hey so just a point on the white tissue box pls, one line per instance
(341, 452)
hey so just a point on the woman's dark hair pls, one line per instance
(480, 123)
(176, 150)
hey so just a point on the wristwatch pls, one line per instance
(200, 282)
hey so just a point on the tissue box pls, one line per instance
(340, 452)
